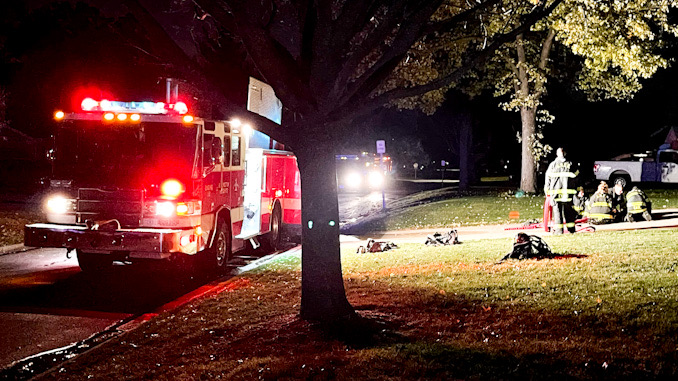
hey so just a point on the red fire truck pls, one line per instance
(146, 180)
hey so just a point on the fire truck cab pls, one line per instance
(146, 180)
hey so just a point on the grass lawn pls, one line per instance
(485, 209)
(608, 308)
(12, 221)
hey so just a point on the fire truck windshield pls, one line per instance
(110, 155)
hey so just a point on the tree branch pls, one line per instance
(357, 55)
(275, 64)
(522, 71)
(404, 39)
(543, 60)
(446, 25)
(546, 49)
(360, 106)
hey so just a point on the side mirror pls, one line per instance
(212, 156)
(217, 151)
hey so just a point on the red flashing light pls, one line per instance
(171, 188)
(88, 104)
(179, 107)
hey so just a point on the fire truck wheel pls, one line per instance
(90, 262)
(274, 237)
(220, 252)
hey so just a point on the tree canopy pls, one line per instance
(602, 48)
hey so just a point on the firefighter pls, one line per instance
(638, 206)
(618, 202)
(559, 185)
(600, 205)
(580, 203)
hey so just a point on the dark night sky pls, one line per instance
(58, 63)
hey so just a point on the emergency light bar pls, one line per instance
(157, 108)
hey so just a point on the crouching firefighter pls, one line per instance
(638, 206)
(600, 205)
(560, 186)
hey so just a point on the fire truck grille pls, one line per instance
(126, 206)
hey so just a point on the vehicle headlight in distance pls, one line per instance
(353, 180)
(59, 204)
(376, 179)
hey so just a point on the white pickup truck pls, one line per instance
(635, 168)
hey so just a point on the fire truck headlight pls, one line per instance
(182, 208)
(59, 204)
(165, 209)
(353, 180)
(375, 179)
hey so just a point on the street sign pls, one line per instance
(381, 146)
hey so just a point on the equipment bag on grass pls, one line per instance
(528, 246)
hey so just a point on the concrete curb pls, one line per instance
(11, 249)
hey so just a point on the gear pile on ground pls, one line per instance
(449, 238)
(528, 246)
(373, 246)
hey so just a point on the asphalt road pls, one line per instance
(46, 302)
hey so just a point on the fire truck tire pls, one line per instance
(273, 238)
(220, 253)
(90, 262)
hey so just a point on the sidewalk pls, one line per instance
(668, 219)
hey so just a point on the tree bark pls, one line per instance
(323, 297)
(528, 115)
(465, 144)
(528, 173)
(528, 167)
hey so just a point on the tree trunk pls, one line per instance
(528, 168)
(323, 297)
(465, 144)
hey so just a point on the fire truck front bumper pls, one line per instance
(137, 243)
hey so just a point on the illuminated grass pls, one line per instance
(621, 274)
(440, 313)
(492, 208)
(12, 225)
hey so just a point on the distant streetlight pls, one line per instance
(416, 166)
